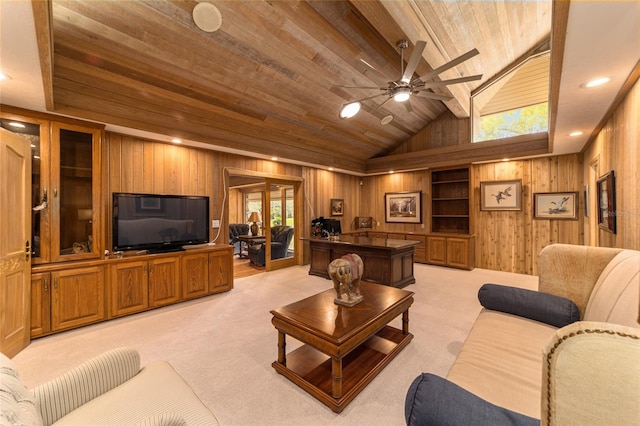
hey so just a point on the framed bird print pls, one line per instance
(501, 195)
(555, 205)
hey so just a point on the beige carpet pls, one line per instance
(224, 345)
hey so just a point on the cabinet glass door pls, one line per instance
(74, 191)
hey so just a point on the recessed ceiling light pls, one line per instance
(176, 140)
(274, 158)
(207, 17)
(16, 124)
(576, 133)
(391, 172)
(4, 76)
(330, 169)
(597, 82)
(349, 110)
(505, 159)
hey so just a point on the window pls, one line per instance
(514, 104)
(252, 203)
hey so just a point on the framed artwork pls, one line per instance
(607, 202)
(555, 205)
(364, 222)
(337, 207)
(403, 207)
(501, 195)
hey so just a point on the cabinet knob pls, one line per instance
(55, 283)
(46, 284)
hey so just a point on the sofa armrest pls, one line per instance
(591, 375)
(571, 271)
(58, 397)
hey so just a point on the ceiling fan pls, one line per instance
(401, 90)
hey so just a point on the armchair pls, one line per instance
(236, 230)
(281, 237)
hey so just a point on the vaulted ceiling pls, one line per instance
(266, 81)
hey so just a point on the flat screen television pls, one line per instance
(159, 223)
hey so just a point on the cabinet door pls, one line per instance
(459, 253)
(194, 275)
(437, 250)
(164, 281)
(220, 271)
(75, 192)
(129, 288)
(40, 304)
(77, 297)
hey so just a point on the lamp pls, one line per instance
(254, 217)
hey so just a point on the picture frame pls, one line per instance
(403, 207)
(555, 205)
(501, 195)
(363, 222)
(337, 207)
(607, 202)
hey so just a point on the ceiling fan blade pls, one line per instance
(358, 87)
(413, 60)
(452, 81)
(432, 95)
(407, 106)
(460, 59)
(369, 71)
(367, 98)
(382, 104)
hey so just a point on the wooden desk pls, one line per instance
(386, 261)
(345, 347)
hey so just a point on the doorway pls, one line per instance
(276, 202)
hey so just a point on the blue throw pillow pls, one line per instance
(548, 308)
(434, 401)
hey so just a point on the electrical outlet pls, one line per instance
(215, 224)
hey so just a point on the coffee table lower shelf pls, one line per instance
(312, 370)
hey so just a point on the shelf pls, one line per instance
(440, 182)
(451, 199)
(450, 215)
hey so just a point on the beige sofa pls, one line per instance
(584, 373)
(110, 389)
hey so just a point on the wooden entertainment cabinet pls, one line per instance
(70, 295)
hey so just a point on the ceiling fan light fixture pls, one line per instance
(350, 110)
(402, 94)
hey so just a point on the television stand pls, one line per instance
(167, 249)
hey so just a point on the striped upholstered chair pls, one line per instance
(110, 389)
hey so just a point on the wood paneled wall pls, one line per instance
(616, 148)
(511, 240)
(505, 240)
(145, 166)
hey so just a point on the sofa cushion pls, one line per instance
(17, 405)
(501, 361)
(615, 296)
(553, 310)
(432, 400)
(157, 389)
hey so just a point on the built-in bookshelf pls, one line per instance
(450, 201)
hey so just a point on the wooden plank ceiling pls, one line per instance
(265, 81)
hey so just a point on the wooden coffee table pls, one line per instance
(345, 347)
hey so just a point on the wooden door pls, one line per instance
(77, 297)
(194, 275)
(220, 271)
(129, 287)
(15, 248)
(40, 304)
(458, 253)
(164, 281)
